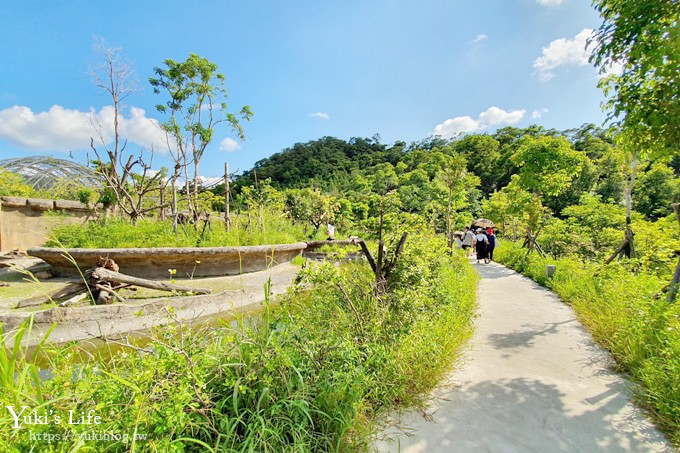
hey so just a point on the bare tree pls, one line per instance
(129, 178)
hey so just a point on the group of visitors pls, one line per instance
(482, 241)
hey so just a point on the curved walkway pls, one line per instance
(531, 381)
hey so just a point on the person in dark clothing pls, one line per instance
(481, 243)
(491, 237)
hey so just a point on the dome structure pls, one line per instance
(43, 173)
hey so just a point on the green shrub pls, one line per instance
(312, 374)
(156, 233)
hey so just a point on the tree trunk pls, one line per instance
(675, 283)
(629, 249)
(449, 236)
(175, 210)
(227, 217)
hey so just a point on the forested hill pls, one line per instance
(560, 166)
(325, 163)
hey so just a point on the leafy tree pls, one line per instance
(457, 181)
(482, 153)
(582, 183)
(310, 206)
(656, 189)
(196, 104)
(611, 180)
(547, 165)
(643, 38)
(517, 210)
(383, 178)
(14, 185)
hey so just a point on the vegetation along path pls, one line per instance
(533, 382)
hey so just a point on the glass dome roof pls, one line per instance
(43, 173)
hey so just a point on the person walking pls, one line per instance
(491, 237)
(468, 240)
(481, 244)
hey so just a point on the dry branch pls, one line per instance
(68, 291)
(99, 274)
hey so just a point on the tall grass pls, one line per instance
(115, 233)
(312, 374)
(626, 314)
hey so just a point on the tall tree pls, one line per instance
(547, 165)
(128, 177)
(642, 37)
(196, 104)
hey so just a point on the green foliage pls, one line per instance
(547, 165)
(310, 206)
(624, 313)
(196, 104)
(515, 210)
(593, 230)
(643, 38)
(309, 375)
(656, 189)
(13, 185)
(482, 154)
(153, 233)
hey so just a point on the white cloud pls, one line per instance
(455, 126)
(209, 181)
(320, 115)
(536, 114)
(550, 2)
(229, 144)
(494, 116)
(465, 124)
(562, 52)
(61, 129)
(480, 38)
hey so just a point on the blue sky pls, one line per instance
(308, 69)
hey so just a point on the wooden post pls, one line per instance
(227, 217)
(162, 195)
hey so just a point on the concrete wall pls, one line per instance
(26, 222)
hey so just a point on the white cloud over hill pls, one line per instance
(494, 116)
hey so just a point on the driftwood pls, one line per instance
(74, 300)
(64, 293)
(99, 274)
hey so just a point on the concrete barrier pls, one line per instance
(25, 222)
(157, 262)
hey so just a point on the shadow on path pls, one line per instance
(534, 381)
(526, 337)
(527, 415)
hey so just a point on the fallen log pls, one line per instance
(63, 293)
(99, 274)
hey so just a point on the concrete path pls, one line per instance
(532, 381)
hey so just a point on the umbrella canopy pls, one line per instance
(484, 223)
